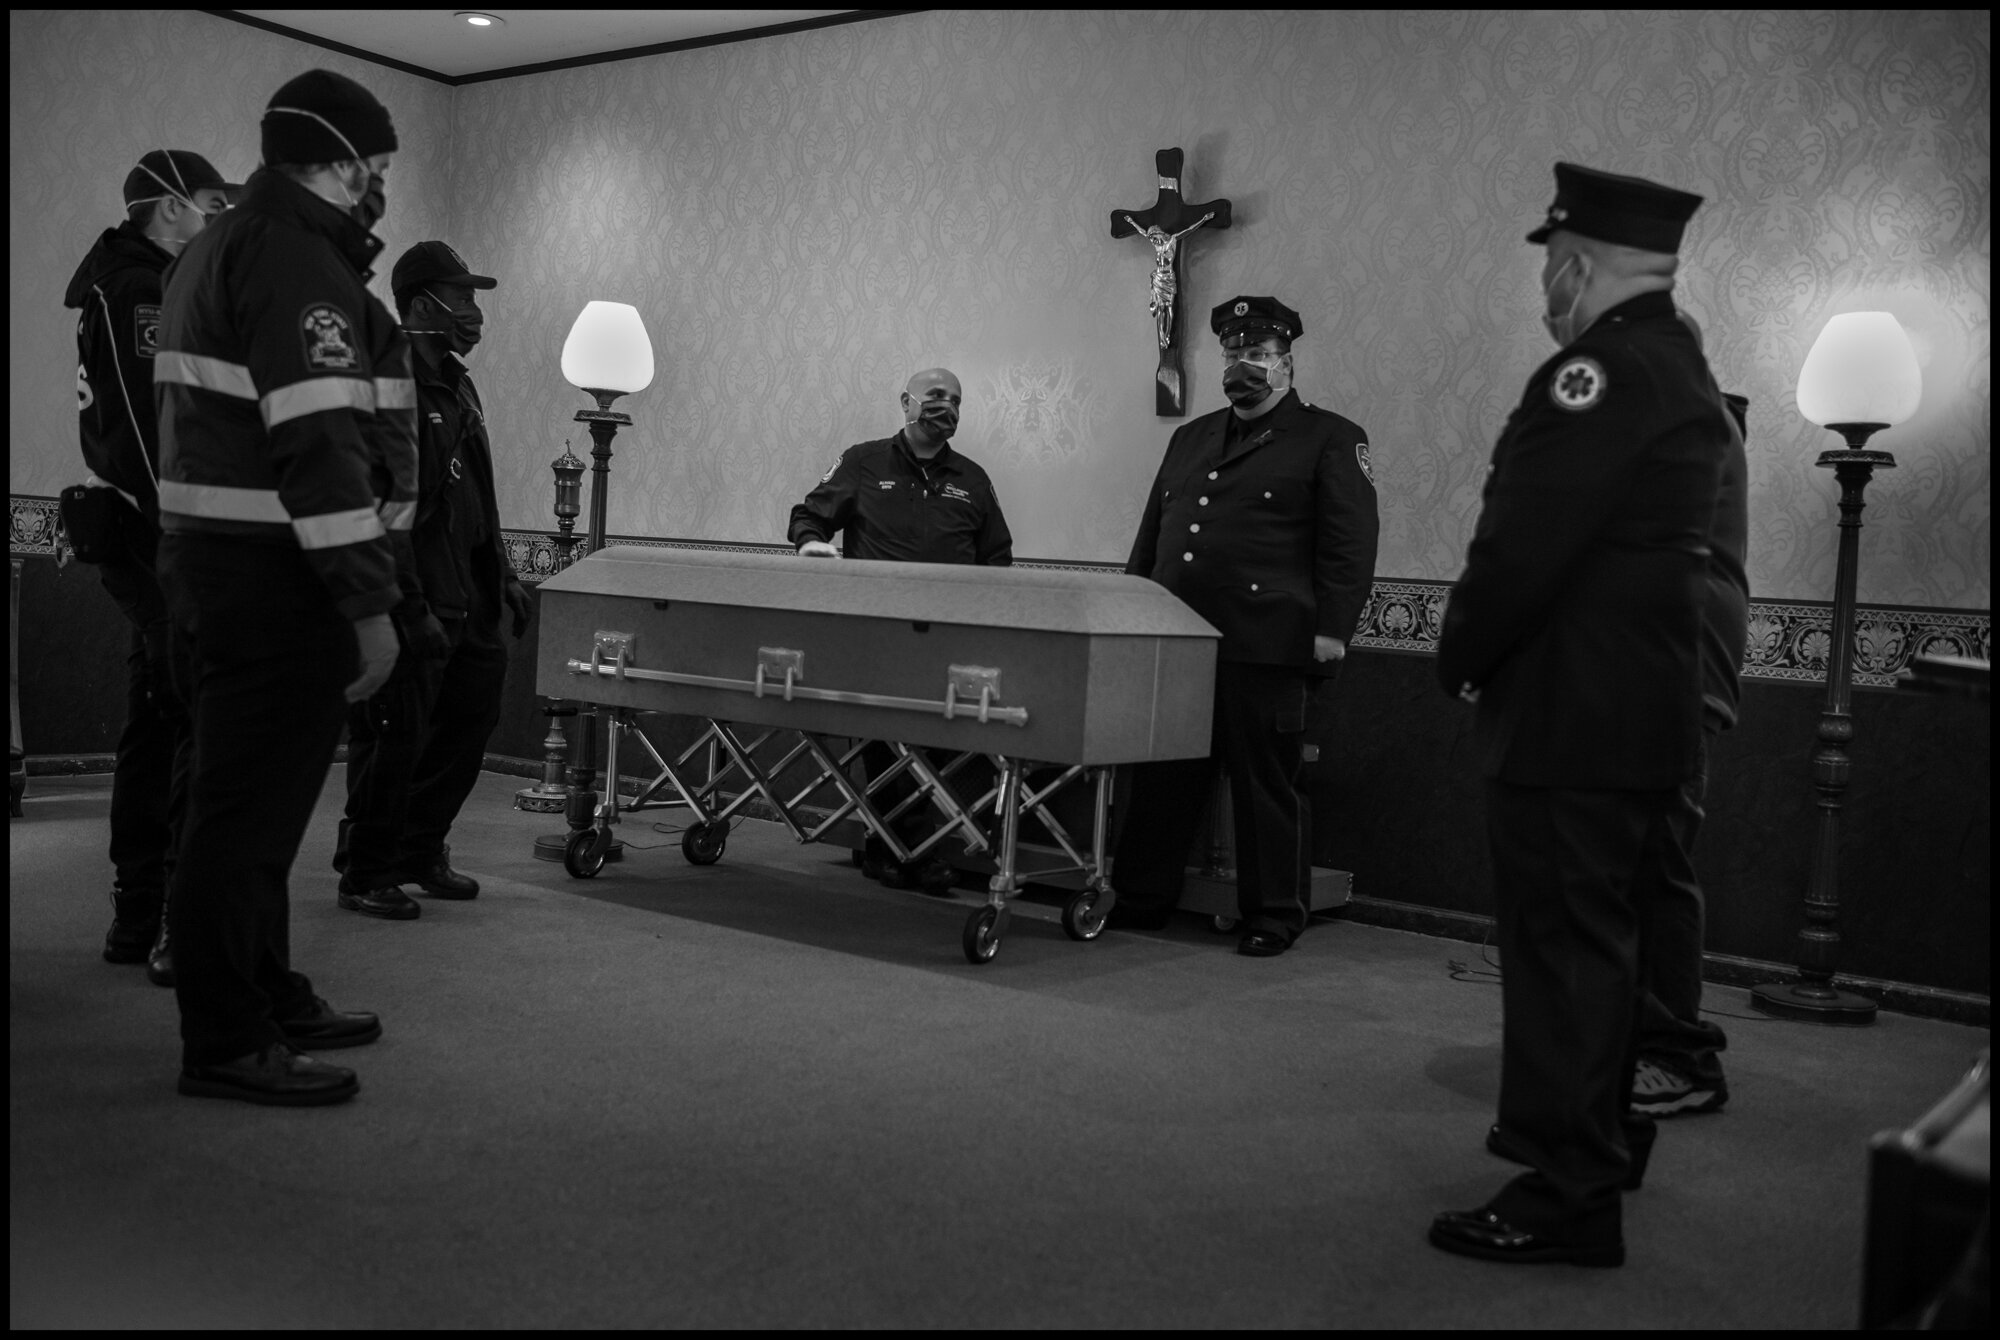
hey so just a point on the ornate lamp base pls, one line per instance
(538, 801)
(1810, 1004)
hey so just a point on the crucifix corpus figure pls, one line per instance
(1162, 227)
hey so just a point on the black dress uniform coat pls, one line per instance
(1578, 616)
(1579, 620)
(1270, 537)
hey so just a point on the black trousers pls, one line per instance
(1259, 726)
(413, 755)
(267, 658)
(156, 746)
(1671, 1029)
(1572, 873)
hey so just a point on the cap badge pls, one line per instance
(1578, 384)
(1242, 309)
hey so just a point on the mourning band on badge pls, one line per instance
(1578, 385)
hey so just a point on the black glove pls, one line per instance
(519, 604)
(423, 636)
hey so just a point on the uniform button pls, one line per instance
(1253, 586)
(1187, 558)
(1203, 502)
(1196, 527)
(1211, 474)
(1267, 493)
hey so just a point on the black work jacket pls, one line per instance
(1271, 537)
(1579, 614)
(459, 546)
(891, 505)
(287, 409)
(116, 292)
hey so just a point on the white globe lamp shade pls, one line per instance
(607, 350)
(1861, 370)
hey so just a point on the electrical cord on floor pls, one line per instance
(1460, 971)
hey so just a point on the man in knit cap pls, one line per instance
(288, 480)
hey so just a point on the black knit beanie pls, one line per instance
(323, 117)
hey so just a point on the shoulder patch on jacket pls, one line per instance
(146, 329)
(329, 339)
(1578, 384)
(831, 468)
(1367, 465)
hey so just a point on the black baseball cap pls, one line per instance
(1625, 211)
(179, 172)
(433, 263)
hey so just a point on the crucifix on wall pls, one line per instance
(1163, 226)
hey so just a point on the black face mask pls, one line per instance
(374, 203)
(1246, 384)
(940, 421)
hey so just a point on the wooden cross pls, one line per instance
(1163, 226)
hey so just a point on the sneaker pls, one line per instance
(1661, 1091)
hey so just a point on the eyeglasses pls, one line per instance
(1255, 356)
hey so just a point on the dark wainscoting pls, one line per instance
(1395, 800)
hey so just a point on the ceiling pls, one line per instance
(436, 42)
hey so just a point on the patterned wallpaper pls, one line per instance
(804, 220)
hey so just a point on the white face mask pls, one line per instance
(1561, 329)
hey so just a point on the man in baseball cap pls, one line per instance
(170, 195)
(415, 747)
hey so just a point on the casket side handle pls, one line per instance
(963, 683)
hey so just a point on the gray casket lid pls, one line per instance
(1038, 598)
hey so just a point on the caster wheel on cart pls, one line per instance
(702, 844)
(583, 854)
(982, 935)
(1223, 925)
(1084, 915)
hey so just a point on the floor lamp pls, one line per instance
(606, 355)
(1860, 378)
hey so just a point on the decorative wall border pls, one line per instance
(1789, 641)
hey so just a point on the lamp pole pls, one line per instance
(1813, 997)
(551, 795)
(604, 423)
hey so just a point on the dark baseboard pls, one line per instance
(1959, 1007)
(72, 766)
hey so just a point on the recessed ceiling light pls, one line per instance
(479, 20)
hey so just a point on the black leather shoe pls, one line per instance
(160, 959)
(1125, 917)
(1486, 1235)
(275, 1077)
(1262, 944)
(388, 902)
(439, 880)
(135, 924)
(323, 1027)
(1501, 1145)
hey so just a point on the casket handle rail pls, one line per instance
(971, 691)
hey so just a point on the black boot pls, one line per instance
(160, 961)
(135, 924)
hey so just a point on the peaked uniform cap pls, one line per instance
(1625, 211)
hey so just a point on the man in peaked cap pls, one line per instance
(414, 748)
(288, 482)
(1576, 629)
(1262, 518)
(170, 195)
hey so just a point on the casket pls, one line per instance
(1053, 666)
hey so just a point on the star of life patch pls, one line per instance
(146, 329)
(329, 339)
(1367, 464)
(1578, 384)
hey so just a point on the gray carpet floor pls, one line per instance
(770, 1093)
